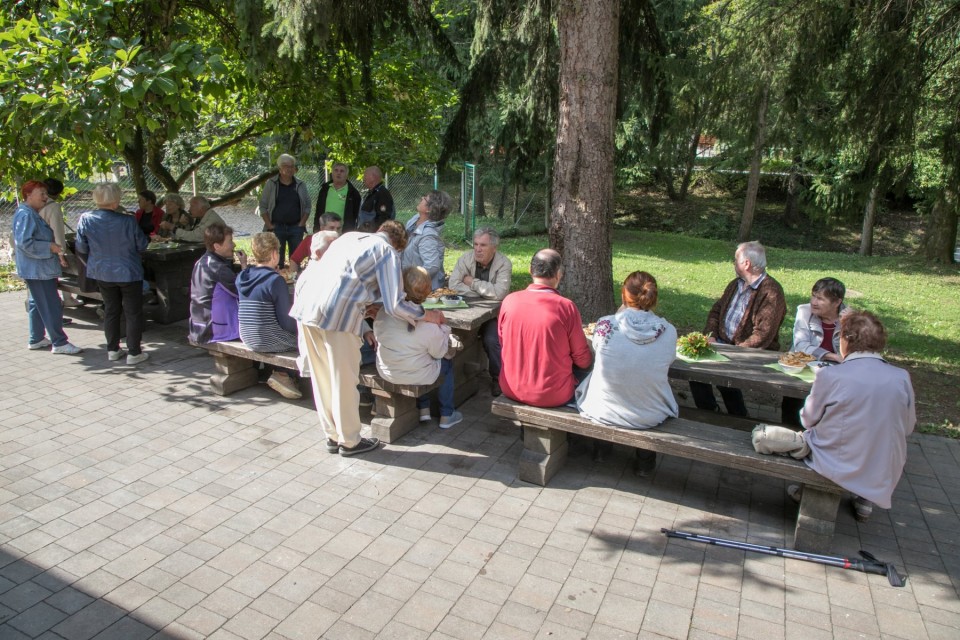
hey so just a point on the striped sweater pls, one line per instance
(265, 323)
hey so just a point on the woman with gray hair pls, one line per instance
(113, 240)
(425, 246)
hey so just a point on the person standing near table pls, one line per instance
(485, 272)
(542, 337)
(748, 314)
(52, 214)
(377, 206)
(113, 241)
(285, 206)
(38, 259)
(425, 244)
(330, 304)
(337, 196)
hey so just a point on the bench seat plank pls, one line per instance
(545, 450)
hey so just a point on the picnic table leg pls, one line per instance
(397, 415)
(232, 374)
(544, 452)
(816, 520)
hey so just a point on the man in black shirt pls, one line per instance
(377, 207)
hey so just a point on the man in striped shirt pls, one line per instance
(359, 272)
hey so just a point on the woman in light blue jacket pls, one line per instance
(424, 245)
(38, 260)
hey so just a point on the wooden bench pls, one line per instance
(545, 451)
(395, 404)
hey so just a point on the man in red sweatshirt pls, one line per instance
(542, 337)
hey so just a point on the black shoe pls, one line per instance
(365, 444)
(495, 388)
(644, 463)
(332, 446)
(67, 321)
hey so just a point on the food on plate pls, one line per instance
(451, 301)
(694, 345)
(589, 329)
(796, 359)
(441, 292)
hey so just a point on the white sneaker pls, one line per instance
(68, 349)
(43, 344)
(143, 357)
(448, 421)
(425, 415)
(113, 356)
(71, 302)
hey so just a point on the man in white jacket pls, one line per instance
(486, 273)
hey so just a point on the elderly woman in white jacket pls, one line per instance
(418, 355)
(816, 328)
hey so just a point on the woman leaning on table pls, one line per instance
(856, 419)
(816, 332)
(629, 385)
(113, 240)
(38, 260)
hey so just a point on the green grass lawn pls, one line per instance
(919, 305)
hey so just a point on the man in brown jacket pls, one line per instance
(749, 314)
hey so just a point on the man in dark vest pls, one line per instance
(377, 207)
(340, 197)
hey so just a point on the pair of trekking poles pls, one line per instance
(869, 563)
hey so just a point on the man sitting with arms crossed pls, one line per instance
(485, 272)
(748, 314)
(542, 337)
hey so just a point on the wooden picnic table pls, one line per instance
(168, 271)
(745, 370)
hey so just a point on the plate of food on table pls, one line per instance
(444, 297)
(795, 361)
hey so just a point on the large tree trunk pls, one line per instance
(584, 160)
(689, 166)
(791, 211)
(133, 153)
(940, 235)
(753, 183)
(869, 218)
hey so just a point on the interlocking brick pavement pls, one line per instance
(136, 504)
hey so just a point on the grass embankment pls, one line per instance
(918, 304)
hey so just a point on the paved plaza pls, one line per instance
(135, 504)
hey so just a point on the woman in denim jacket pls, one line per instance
(113, 240)
(38, 260)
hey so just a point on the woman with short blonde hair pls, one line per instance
(265, 322)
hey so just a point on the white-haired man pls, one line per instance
(748, 314)
(201, 217)
(485, 272)
(285, 206)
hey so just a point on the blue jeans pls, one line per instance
(44, 312)
(290, 236)
(444, 393)
(368, 355)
